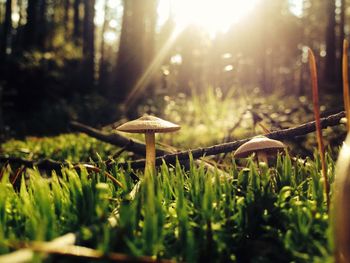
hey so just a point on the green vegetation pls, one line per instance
(251, 214)
(69, 147)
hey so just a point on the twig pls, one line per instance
(26, 254)
(18, 172)
(313, 70)
(90, 167)
(300, 130)
(84, 252)
(114, 138)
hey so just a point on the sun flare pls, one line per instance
(212, 16)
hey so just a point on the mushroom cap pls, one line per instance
(259, 143)
(148, 123)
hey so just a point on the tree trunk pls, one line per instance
(341, 39)
(76, 22)
(66, 19)
(150, 30)
(1, 12)
(261, 56)
(30, 29)
(21, 11)
(188, 40)
(7, 28)
(129, 62)
(2, 126)
(5, 40)
(331, 48)
(42, 23)
(136, 46)
(88, 43)
(103, 64)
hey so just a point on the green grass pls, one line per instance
(44, 208)
(275, 214)
(65, 147)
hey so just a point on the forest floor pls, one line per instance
(238, 211)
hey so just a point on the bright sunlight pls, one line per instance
(212, 15)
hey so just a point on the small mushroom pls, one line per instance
(260, 145)
(149, 125)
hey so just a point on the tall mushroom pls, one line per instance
(260, 145)
(149, 125)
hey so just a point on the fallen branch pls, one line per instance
(300, 130)
(309, 127)
(75, 251)
(42, 164)
(115, 139)
(26, 254)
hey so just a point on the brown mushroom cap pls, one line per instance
(260, 143)
(148, 123)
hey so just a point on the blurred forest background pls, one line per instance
(99, 60)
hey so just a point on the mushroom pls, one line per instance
(149, 125)
(260, 145)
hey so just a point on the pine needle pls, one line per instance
(346, 83)
(313, 70)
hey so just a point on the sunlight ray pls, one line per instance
(151, 70)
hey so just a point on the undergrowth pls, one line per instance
(251, 214)
(187, 213)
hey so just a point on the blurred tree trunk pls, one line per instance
(261, 56)
(89, 43)
(76, 21)
(1, 12)
(66, 19)
(150, 30)
(21, 10)
(18, 36)
(2, 126)
(42, 26)
(188, 40)
(341, 39)
(30, 27)
(7, 28)
(330, 73)
(103, 63)
(136, 46)
(5, 40)
(129, 62)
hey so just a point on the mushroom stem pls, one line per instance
(150, 151)
(262, 157)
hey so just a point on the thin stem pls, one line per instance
(262, 157)
(150, 152)
(313, 70)
(346, 83)
(90, 167)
